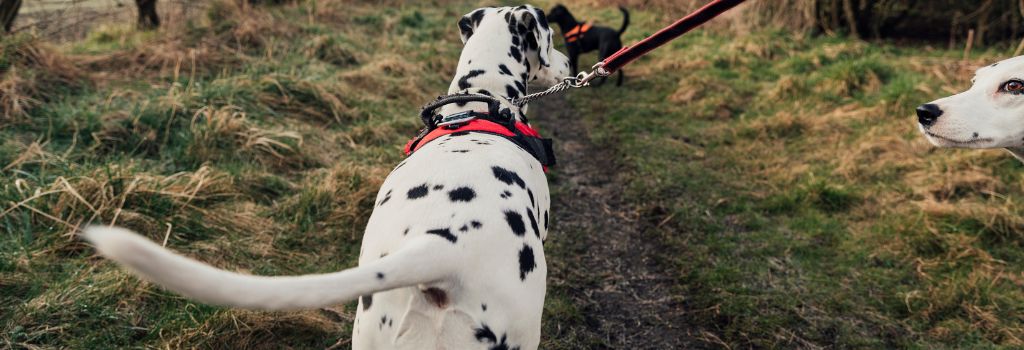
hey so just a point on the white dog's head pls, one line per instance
(988, 115)
(525, 31)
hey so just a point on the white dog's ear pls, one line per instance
(469, 22)
(538, 32)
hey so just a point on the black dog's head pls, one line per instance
(561, 15)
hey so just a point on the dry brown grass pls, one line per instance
(101, 196)
(34, 72)
(163, 57)
(226, 130)
(325, 102)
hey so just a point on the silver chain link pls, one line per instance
(580, 80)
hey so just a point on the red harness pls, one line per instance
(526, 137)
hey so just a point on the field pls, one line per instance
(744, 189)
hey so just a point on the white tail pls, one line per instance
(418, 262)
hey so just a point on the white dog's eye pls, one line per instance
(1013, 86)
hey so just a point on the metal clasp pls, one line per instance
(583, 78)
(456, 120)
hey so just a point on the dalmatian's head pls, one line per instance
(515, 36)
(988, 115)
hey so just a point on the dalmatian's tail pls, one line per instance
(419, 262)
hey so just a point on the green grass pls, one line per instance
(801, 207)
(804, 209)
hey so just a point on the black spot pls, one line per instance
(445, 233)
(406, 231)
(476, 224)
(511, 92)
(520, 87)
(460, 151)
(383, 254)
(975, 135)
(545, 219)
(466, 26)
(387, 197)
(542, 19)
(418, 191)
(367, 301)
(526, 262)
(508, 176)
(380, 275)
(530, 193)
(458, 133)
(485, 92)
(477, 16)
(515, 54)
(503, 69)
(464, 81)
(485, 334)
(464, 228)
(515, 221)
(483, 306)
(391, 322)
(533, 222)
(438, 187)
(462, 194)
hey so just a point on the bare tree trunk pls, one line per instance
(8, 11)
(851, 18)
(147, 14)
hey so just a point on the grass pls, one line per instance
(798, 205)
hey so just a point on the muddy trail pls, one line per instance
(599, 256)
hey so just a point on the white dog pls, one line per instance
(452, 256)
(988, 115)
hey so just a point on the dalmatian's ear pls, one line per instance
(538, 32)
(469, 22)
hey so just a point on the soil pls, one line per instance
(602, 258)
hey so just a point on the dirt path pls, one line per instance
(601, 256)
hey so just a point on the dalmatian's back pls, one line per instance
(488, 201)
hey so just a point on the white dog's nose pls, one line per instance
(928, 113)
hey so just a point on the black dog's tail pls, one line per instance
(625, 20)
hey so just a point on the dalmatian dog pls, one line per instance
(988, 115)
(452, 256)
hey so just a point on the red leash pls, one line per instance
(629, 53)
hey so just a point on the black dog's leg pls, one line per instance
(607, 49)
(574, 58)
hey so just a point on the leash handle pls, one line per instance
(629, 53)
(427, 112)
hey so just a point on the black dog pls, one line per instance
(583, 38)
